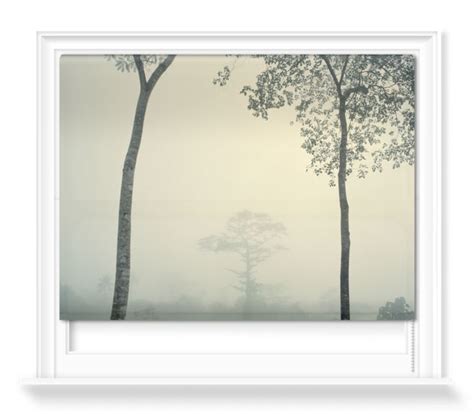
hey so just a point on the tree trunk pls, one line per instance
(344, 208)
(122, 275)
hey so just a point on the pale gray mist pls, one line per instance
(203, 159)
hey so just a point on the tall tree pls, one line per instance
(354, 112)
(127, 63)
(252, 237)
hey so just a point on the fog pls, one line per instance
(204, 158)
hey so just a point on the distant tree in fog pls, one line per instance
(398, 310)
(105, 285)
(252, 237)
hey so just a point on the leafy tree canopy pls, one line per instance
(398, 310)
(379, 96)
(126, 63)
(253, 237)
(247, 230)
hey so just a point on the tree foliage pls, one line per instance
(398, 310)
(379, 92)
(253, 238)
(126, 63)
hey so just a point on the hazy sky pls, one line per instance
(203, 158)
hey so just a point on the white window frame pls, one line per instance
(253, 352)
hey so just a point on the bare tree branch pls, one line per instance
(331, 71)
(344, 69)
(159, 71)
(141, 71)
(357, 89)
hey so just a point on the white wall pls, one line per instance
(18, 22)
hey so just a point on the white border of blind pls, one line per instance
(427, 331)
